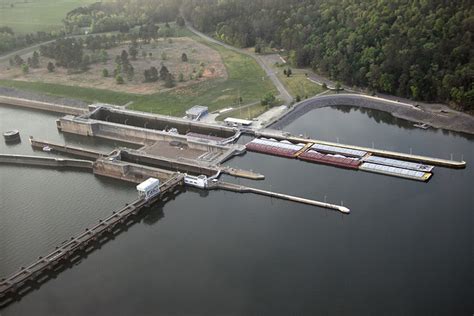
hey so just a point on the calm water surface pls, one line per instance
(406, 248)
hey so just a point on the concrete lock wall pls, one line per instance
(168, 164)
(128, 133)
(69, 125)
(129, 172)
(156, 122)
(141, 135)
(44, 161)
(44, 106)
(133, 134)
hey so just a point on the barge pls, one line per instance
(273, 147)
(328, 159)
(338, 150)
(396, 172)
(399, 163)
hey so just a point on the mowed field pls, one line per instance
(245, 78)
(29, 16)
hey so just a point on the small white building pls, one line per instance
(148, 188)
(198, 182)
(196, 112)
(237, 122)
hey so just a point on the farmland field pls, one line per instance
(36, 15)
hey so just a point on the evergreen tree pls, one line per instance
(164, 72)
(25, 69)
(180, 21)
(169, 81)
(124, 57)
(119, 79)
(50, 67)
(130, 73)
(104, 56)
(18, 60)
(35, 60)
(133, 52)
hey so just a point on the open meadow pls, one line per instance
(30, 16)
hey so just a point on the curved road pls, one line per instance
(270, 73)
(452, 120)
(30, 49)
(23, 51)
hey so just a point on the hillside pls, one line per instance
(417, 49)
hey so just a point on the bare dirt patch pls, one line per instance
(201, 59)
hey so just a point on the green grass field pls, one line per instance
(27, 16)
(245, 79)
(86, 94)
(246, 113)
(298, 84)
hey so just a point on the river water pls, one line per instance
(406, 248)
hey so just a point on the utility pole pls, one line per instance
(240, 105)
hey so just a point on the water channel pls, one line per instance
(406, 248)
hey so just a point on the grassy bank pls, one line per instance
(298, 84)
(86, 94)
(246, 113)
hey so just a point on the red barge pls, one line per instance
(335, 160)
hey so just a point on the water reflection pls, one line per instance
(12, 143)
(148, 215)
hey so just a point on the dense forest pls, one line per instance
(120, 15)
(419, 49)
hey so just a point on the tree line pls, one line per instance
(10, 41)
(121, 15)
(417, 49)
(70, 52)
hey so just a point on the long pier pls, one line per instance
(380, 152)
(66, 149)
(79, 242)
(45, 161)
(244, 189)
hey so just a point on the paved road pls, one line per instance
(34, 47)
(270, 73)
(23, 51)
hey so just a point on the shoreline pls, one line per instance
(440, 117)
